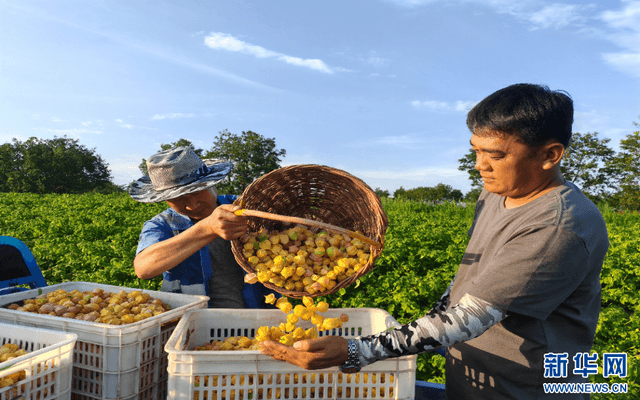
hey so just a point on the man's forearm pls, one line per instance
(439, 328)
(164, 255)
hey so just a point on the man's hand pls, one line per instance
(224, 223)
(324, 352)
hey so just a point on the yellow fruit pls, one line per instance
(307, 301)
(270, 298)
(285, 307)
(262, 253)
(251, 278)
(323, 306)
(287, 272)
(253, 260)
(317, 319)
(298, 334)
(287, 340)
(311, 333)
(299, 309)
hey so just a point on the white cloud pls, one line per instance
(73, 133)
(540, 14)
(556, 15)
(224, 41)
(173, 116)
(86, 123)
(375, 60)
(625, 32)
(130, 126)
(124, 168)
(443, 106)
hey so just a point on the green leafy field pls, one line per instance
(93, 237)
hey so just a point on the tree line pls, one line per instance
(63, 165)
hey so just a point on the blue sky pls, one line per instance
(378, 88)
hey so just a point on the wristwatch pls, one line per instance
(352, 365)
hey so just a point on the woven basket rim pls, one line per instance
(356, 187)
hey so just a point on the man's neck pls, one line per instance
(510, 202)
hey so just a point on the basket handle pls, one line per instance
(310, 222)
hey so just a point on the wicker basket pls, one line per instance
(320, 193)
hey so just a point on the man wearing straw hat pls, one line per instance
(189, 243)
(523, 307)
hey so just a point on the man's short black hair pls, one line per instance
(533, 113)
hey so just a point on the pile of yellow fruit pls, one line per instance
(7, 352)
(297, 259)
(286, 333)
(95, 306)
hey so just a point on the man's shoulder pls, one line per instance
(171, 219)
(227, 198)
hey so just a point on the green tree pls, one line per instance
(440, 192)
(468, 164)
(587, 163)
(252, 154)
(58, 165)
(163, 147)
(381, 193)
(400, 193)
(627, 165)
(473, 194)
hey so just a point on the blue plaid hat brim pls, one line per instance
(143, 191)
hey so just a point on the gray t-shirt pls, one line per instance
(227, 281)
(541, 263)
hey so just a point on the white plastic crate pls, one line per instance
(247, 374)
(46, 366)
(112, 361)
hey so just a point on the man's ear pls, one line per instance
(551, 154)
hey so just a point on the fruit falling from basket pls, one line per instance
(286, 333)
(297, 259)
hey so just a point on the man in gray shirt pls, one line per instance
(528, 283)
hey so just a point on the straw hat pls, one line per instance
(176, 172)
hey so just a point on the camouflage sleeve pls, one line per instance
(443, 302)
(440, 328)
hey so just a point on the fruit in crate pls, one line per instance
(96, 306)
(287, 332)
(301, 260)
(9, 351)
